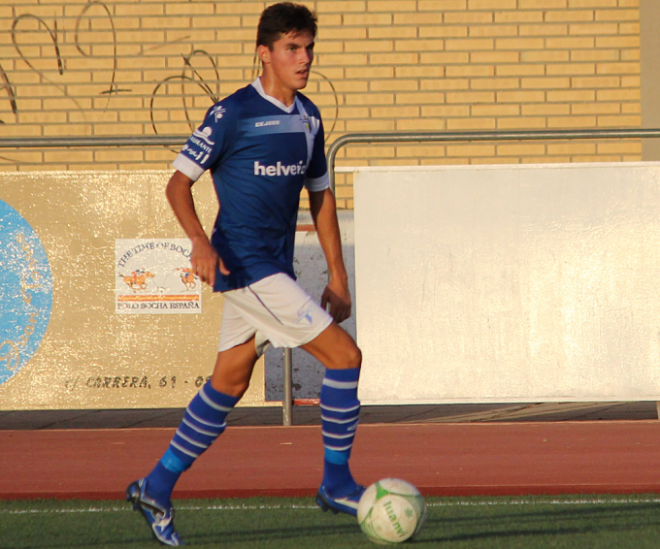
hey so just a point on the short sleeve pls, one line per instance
(316, 177)
(208, 144)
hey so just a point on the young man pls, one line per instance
(262, 145)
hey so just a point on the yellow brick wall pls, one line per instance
(128, 67)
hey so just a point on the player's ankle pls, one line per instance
(343, 490)
(160, 483)
(338, 480)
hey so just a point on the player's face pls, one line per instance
(290, 60)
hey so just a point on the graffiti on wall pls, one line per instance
(198, 75)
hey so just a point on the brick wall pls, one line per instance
(131, 67)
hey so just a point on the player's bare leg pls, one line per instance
(340, 411)
(233, 369)
(335, 349)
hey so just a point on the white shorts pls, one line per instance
(275, 310)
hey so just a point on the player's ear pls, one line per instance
(263, 52)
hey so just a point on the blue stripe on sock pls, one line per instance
(220, 398)
(172, 463)
(350, 374)
(338, 458)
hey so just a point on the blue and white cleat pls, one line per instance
(345, 504)
(159, 518)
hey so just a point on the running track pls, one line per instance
(441, 459)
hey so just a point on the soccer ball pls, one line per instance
(391, 511)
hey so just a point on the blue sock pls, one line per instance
(203, 422)
(160, 483)
(340, 412)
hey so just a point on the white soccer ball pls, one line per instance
(391, 511)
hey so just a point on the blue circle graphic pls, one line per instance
(26, 292)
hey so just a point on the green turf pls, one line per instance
(273, 523)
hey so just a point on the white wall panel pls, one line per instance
(520, 283)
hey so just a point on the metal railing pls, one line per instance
(348, 139)
(516, 135)
(92, 141)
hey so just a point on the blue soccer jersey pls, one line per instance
(261, 153)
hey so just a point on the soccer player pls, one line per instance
(263, 144)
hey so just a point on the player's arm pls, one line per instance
(204, 258)
(324, 213)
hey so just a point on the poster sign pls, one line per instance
(154, 276)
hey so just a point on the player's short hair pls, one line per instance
(283, 18)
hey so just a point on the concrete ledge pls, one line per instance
(310, 415)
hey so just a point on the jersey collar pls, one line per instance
(260, 90)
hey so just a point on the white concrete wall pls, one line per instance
(508, 283)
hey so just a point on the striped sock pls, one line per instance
(340, 411)
(203, 422)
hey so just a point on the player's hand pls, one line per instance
(206, 261)
(336, 299)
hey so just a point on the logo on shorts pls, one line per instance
(26, 292)
(304, 316)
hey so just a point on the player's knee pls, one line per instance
(239, 389)
(356, 358)
(350, 357)
(231, 387)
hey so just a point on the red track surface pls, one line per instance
(441, 459)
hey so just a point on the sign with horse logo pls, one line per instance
(154, 276)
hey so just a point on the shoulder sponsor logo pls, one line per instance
(279, 169)
(218, 112)
(198, 156)
(200, 144)
(204, 134)
(201, 140)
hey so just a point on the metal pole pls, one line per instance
(287, 402)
